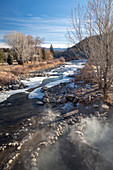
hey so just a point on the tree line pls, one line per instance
(25, 48)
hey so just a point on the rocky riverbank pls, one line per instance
(68, 109)
(17, 84)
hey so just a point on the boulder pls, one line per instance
(104, 107)
(96, 106)
(70, 97)
(63, 100)
(46, 100)
(21, 86)
(40, 103)
(97, 114)
(76, 100)
(15, 87)
(53, 100)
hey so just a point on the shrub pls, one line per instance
(42, 64)
(6, 78)
(19, 70)
(50, 62)
(85, 74)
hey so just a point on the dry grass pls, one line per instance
(9, 73)
(6, 78)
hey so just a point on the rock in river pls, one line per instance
(40, 103)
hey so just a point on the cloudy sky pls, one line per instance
(46, 18)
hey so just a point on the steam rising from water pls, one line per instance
(98, 134)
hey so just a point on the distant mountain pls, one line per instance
(75, 51)
(58, 49)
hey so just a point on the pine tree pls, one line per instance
(44, 54)
(51, 49)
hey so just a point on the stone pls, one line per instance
(46, 100)
(19, 147)
(70, 97)
(63, 100)
(10, 161)
(32, 156)
(36, 153)
(97, 114)
(40, 103)
(33, 168)
(33, 164)
(15, 87)
(58, 101)
(76, 100)
(94, 153)
(52, 100)
(21, 86)
(104, 107)
(96, 106)
(33, 159)
(7, 134)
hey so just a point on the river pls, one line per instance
(17, 107)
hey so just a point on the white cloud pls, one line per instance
(4, 45)
(57, 45)
(49, 28)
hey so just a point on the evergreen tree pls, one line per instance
(51, 49)
(10, 60)
(44, 54)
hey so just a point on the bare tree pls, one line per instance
(24, 46)
(19, 42)
(95, 22)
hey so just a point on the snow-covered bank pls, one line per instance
(63, 71)
(31, 83)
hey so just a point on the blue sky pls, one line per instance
(46, 18)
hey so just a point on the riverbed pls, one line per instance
(19, 107)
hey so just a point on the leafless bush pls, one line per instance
(42, 64)
(85, 74)
(50, 62)
(6, 78)
(17, 71)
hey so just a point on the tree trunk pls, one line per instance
(105, 92)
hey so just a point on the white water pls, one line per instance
(68, 69)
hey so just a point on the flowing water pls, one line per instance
(18, 105)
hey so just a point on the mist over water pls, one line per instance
(99, 134)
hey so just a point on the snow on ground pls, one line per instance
(31, 83)
(36, 94)
(5, 95)
(51, 84)
(65, 70)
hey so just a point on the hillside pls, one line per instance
(76, 51)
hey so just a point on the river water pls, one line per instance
(19, 105)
